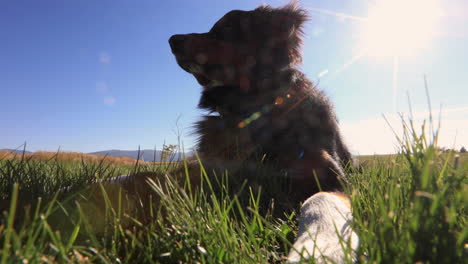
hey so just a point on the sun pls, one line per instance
(400, 27)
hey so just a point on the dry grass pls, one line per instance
(375, 160)
(97, 158)
(72, 157)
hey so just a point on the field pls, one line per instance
(408, 208)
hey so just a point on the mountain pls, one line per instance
(144, 154)
(17, 151)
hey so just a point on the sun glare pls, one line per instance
(400, 27)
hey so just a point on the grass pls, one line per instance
(408, 208)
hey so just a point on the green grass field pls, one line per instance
(408, 208)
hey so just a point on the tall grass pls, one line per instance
(413, 208)
(44, 175)
(410, 208)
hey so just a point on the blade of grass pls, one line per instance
(9, 229)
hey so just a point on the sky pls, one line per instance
(94, 75)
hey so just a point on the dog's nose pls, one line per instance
(177, 42)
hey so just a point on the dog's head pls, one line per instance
(241, 45)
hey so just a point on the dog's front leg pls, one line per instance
(325, 232)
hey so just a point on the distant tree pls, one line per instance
(446, 150)
(167, 152)
(443, 149)
(463, 150)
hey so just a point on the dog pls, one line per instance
(261, 106)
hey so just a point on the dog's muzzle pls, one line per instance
(177, 43)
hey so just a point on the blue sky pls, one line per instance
(98, 74)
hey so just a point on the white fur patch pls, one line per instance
(325, 232)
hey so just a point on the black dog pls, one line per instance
(265, 108)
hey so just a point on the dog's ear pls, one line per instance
(293, 17)
(286, 23)
(288, 19)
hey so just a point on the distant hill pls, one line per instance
(17, 151)
(144, 154)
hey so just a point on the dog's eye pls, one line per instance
(226, 32)
(228, 27)
(217, 34)
(230, 33)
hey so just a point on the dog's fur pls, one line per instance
(262, 107)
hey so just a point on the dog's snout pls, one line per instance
(177, 42)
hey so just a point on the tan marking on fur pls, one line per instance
(343, 197)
